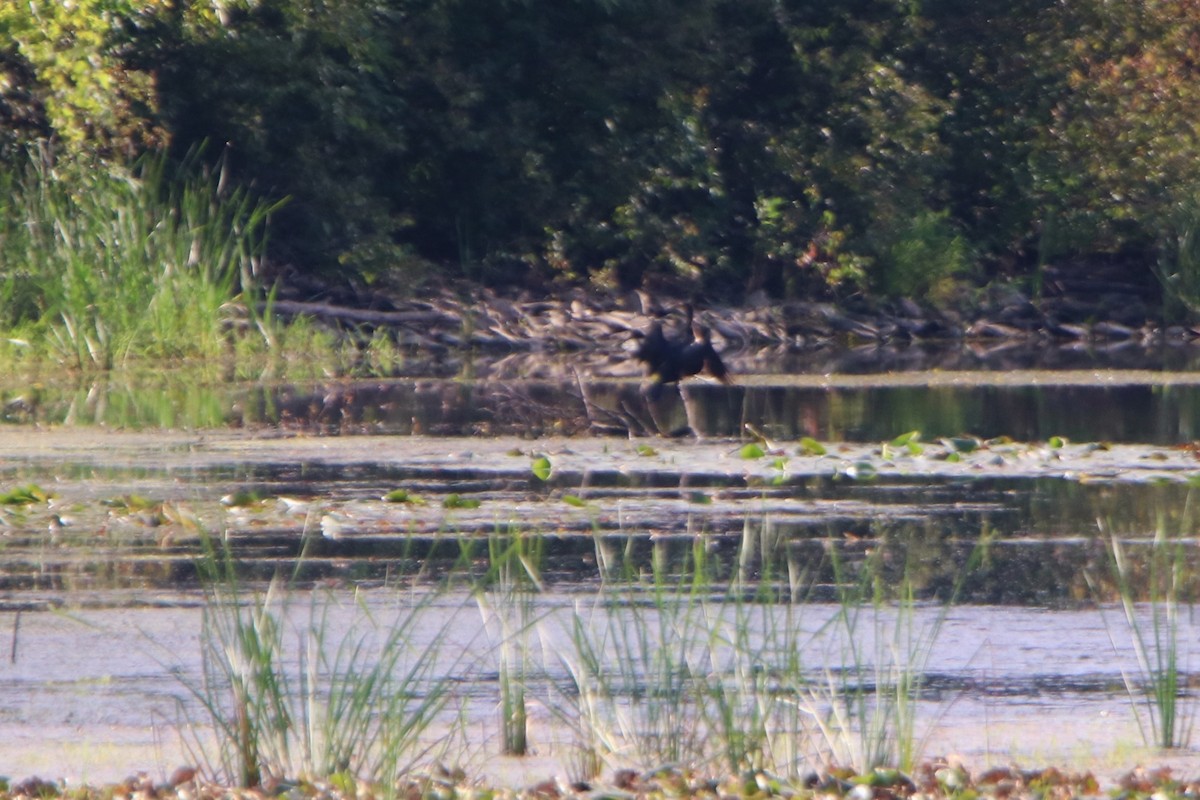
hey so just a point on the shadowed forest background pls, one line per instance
(904, 149)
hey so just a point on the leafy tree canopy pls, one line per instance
(724, 145)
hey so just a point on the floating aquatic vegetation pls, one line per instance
(28, 494)
(401, 496)
(455, 500)
(541, 468)
(751, 451)
(811, 447)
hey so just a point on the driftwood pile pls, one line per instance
(597, 330)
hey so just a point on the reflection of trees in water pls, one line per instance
(1121, 413)
(553, 397)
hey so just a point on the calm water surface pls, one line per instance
(101, 608)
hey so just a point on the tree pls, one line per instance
(1125, 140)
(66, 81)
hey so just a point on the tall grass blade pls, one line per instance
(117, 265)
(307, 684)
(1155, 636)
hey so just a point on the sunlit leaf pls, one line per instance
(962, 444)
(25, 495)
(646, 450)
(1056, 442)
(904, 439)
(129, 502)
(541, 468)
(241, 499)
(178, 515)
(780, 463)
(751, 450)
(344, 782)
(400, 496)
(574, 500)
(860, 471)
(866, 470)
(458, 501)
(811, 447)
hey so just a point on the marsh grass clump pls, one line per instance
(867, 661)
(1178, 266)
(864, 705)
(749, 692)
(748, 673)
(631, 662)
(315, 684)
(692, 658)
(109, 265)
(1158, 634)
(507, 596)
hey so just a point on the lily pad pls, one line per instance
(241, 499)
(811, 447)
(541, 468)
(456, 500)
(130, 502)
(25, 495)
(962, 444)
(751, 451)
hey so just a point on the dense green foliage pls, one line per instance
(101, 266)
(729, 145)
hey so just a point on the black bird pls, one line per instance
(693, 358)
(654, 348)
(657, 348)
(670, 359)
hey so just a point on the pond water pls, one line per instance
(1006, 504)
(1027, 405)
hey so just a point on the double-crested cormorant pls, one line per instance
(692, 359)
(670, 359)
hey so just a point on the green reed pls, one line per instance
(758, 634)
(289, 687)
(1156, 630)
(723, 663)
(632, 656)
(107, 265)
(1178, 265)
(507, 602)
(747, 672)
(865, 706)
(748, 695)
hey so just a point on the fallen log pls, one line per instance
(359, 316)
